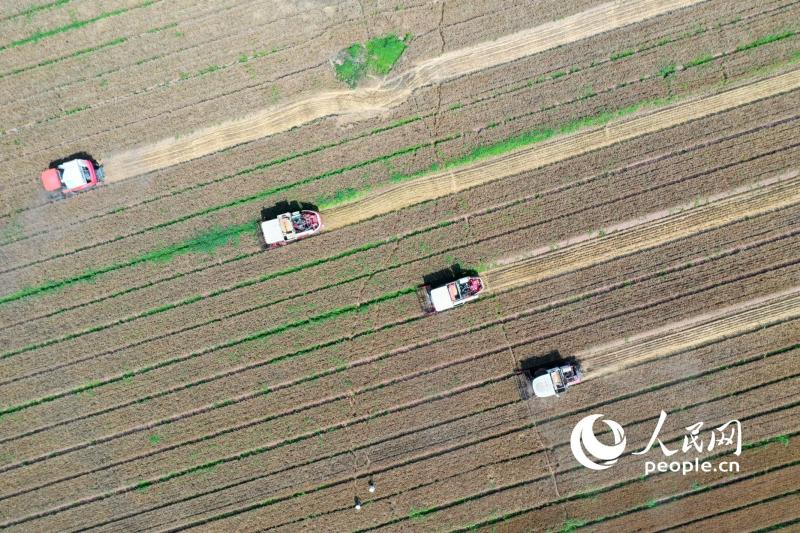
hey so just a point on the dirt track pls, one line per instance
(248, 390)
(447, 182)
(655, 230)
(691, 333)
(390, 92)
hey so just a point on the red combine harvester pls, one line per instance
(447, 296)
(290, 227)
(71, 177)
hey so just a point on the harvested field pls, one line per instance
(624, 177)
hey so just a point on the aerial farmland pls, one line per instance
(384, 265)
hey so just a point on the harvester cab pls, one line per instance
(72, 176)
(449, 295)
(550, 382)
(290, 227)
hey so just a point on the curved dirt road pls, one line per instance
(391, 91)
(446, 182)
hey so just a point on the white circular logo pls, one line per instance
(583, 438)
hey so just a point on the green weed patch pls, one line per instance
(378, 57)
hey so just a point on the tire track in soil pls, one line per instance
(448, 182)
(720, 210)
(390, 92)
(544, 474)
(650, 231)
(249, 367)
(626, 469)
(692, 332)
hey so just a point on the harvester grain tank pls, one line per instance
(450, 295)
(290, 227)
(70, 177)
(553, 381)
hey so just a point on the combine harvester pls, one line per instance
(68, 177)
(551, 382)
(447, 296)
(290, 227)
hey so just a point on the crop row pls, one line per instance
(590, 508)
(193, 339)
(388, 480)
(482, 227)
(444, 506)
(552, 61)
(205, 369)
(106, 312)
(237, 87)
(572, 479)
(239, 436)
(327, 366)
(201, 171)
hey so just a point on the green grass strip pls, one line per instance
(78, 53)
(500, 148)
(203, 243)
(322, 317)
(766, 40)
(479, 153)
(77, 24)
(36, 9)
(199, 297)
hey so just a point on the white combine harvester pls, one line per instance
(551, 382)
(290, 227)
(447, 296)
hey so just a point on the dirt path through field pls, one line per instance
(446, 182)
(691, 333)
(647, 232)
(390, 92)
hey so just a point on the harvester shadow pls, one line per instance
(533, 366)
(285, 206)
(446, 275)
(76, 155)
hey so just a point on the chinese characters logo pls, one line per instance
(593, 454)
